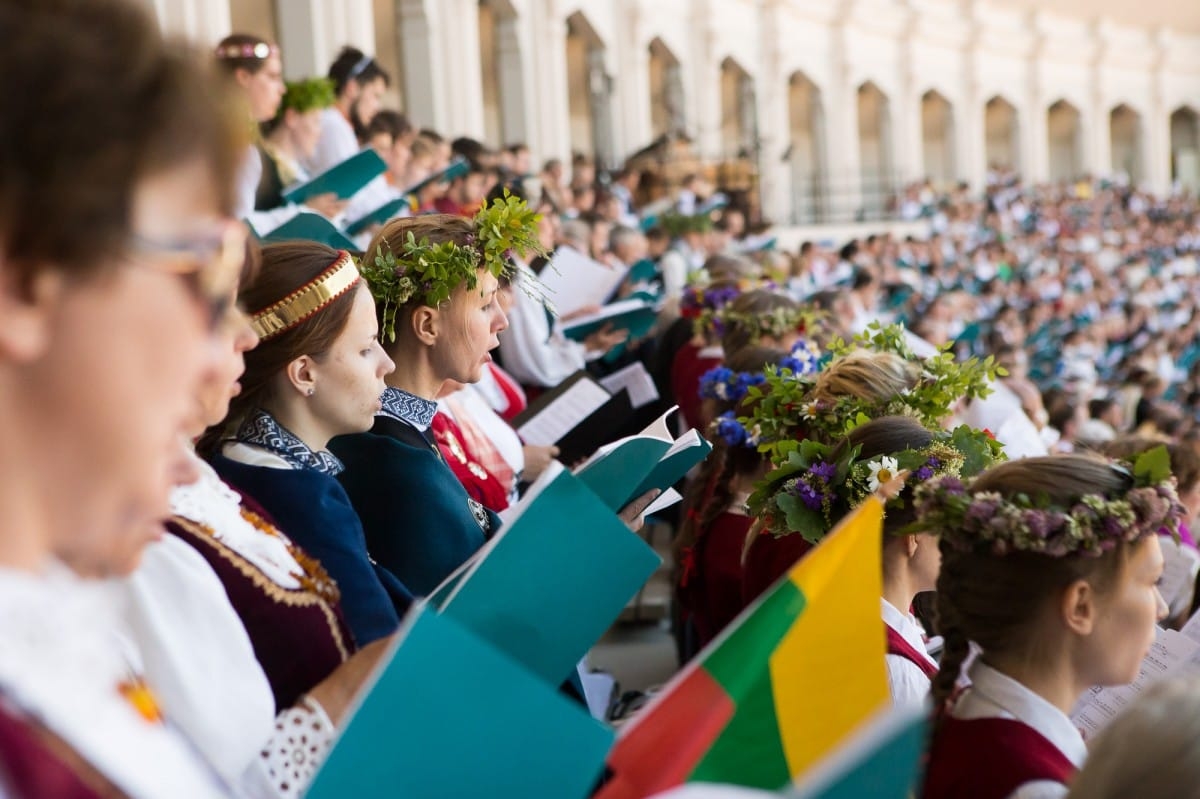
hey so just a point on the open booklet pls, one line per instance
(446, 714)
(557, 575)
(624, 470)
(1172, 654)
(578, 416)
(635, 315)
(344, 179)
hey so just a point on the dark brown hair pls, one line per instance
(997, 601)
(285, 267)
(94, 102)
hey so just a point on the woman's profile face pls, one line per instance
(118, 384)
(1129, 610)
(232, 339)
(264, 89)
(348, 378)
(306, 128)
(470, 325)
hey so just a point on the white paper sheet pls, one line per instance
(562, 415)
(636, 380)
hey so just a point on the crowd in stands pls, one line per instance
(233, 472)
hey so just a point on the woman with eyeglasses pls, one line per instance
(118, 153)
(316, 373)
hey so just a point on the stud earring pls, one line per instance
(311, 391)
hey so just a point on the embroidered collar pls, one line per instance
(408, 408)
(261, 430)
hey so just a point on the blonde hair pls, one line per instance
(869, 376)
(1152, 749)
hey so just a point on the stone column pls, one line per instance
(205, 22)
(311, 32)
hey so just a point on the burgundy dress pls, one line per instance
(34, 764)
(711, 583)
(298, 634)
(768, 559)
(690, 364)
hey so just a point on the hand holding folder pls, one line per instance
(344, 179)
(457, 168)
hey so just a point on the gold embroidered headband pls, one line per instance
(308, 299)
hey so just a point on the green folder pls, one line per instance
(624, 470)
(310, 226)
(882, 761)
(555, 577)
(447, 715)
(636, 316)
(457, 168)
(344, 179)
(377, 217)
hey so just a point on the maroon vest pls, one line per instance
(35, 764)
(299, 635)
(990, 758)
(896, 645)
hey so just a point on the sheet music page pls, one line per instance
(572, 280)
(1100, 705)
(562, 415)
(636, 380)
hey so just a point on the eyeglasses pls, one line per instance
(210, 264)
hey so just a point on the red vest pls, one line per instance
(990, 758)
(896, 645)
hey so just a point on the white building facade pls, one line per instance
(837, 101)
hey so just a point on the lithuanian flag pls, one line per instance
(790, 680)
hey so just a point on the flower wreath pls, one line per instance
(725, 385)
(429, 273)
(775, 323)
(813, 489)
(785, 409)
(308, 94)
(987, 522)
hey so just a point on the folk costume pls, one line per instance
(299, 489)
(910, 670)
(419, 520)
(420, 523)
(1002, 741)
(192, 647)
(287, 601)
(72, 697)
(534, 349)
(710, 583)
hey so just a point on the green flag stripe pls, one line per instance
(749, 750)
(739, 661)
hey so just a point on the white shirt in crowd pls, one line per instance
(994, 695)
(63, 660)
(535, 352)
(906, 682)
